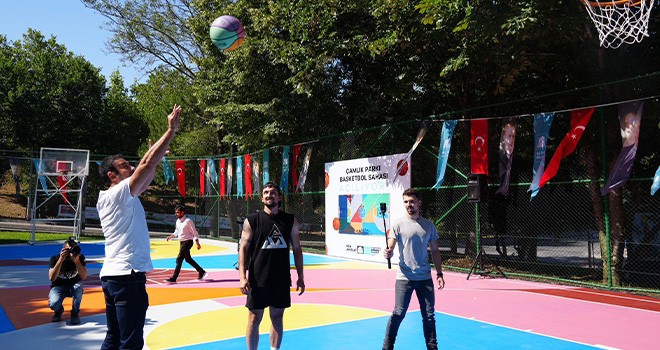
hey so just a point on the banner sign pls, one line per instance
(354, 191)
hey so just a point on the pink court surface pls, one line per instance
(346, 306)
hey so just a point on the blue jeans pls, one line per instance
(426, 297)
(126, 303)
(58, 293)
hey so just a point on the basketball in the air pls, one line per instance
(227, 33)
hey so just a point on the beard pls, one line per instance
(271, 205)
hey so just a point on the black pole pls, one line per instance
(383, 210)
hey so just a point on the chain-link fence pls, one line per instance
(569, 232)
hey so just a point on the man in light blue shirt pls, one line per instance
(414, 234)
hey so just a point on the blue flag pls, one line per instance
(167, 171)
(284, 182)
(542, 124)
(212, 173)
(443, 153)
(239, 176)
(42, 178)
(266, 166)
(656, 182)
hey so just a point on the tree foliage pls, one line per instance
(151, 33)
(50, 97)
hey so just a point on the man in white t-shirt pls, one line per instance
(186, 232)
(414, 234)
(127, 257)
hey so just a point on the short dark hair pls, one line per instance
(108, 164)
(271, 184)
(180, 207)
(412, 192)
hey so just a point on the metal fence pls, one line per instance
(568, 233)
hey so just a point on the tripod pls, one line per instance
(478, 263)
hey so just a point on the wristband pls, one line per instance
(439, 274)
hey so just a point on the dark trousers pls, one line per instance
(126, 303)
(426, 296)
(184, 254)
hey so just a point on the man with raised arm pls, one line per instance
(126, 235)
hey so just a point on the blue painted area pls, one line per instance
(5, 324)
(13, 252)
(227, 261)
(453, 333)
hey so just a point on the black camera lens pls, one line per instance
(75, 250)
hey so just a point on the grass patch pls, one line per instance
(12, 237)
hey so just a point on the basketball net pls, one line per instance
(620, 22)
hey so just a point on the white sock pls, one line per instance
(272, 348)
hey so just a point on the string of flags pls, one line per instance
(248, 170)
(629, 113)
(253, 169)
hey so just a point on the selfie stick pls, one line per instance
(383, 210)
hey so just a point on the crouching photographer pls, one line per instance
(67, 272)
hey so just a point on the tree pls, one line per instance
(53, 98)
(151, 33)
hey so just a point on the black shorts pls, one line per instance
(262, 297)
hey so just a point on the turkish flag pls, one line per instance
(223, 177)
(579, 120)
(247, 165)
(479, 146)
(202, 177)
(180, 166)
(294, 167)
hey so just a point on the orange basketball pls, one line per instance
(336, 224)
(327, 179)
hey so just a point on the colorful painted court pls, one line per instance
(346, 306)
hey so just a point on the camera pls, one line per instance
(75, 250)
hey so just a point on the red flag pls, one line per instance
(61, 182)
(202, 177)
(223, 177)
(180, 166)
(248, 175)
(296, 153)
(479, 146)
(579, 120)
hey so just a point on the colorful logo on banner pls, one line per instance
(353, 196)
(443, 154)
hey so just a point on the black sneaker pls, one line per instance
(57, 317)
(202, 275)
(75, 318)
(170, 280)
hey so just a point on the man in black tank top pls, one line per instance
(264, 266)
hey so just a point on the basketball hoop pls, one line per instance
(620, 22)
